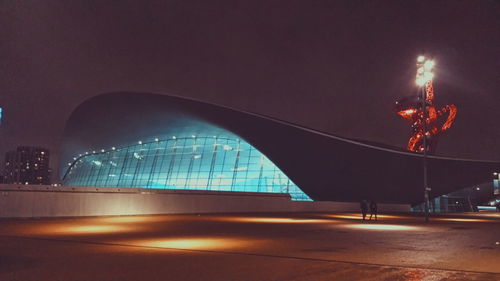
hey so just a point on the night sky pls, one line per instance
(335, 66)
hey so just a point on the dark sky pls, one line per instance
(336, 66)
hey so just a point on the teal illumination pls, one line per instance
(187, 163)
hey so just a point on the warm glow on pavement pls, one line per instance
(359, 217)
(383, 227)
(353, 217)
(462, 220)
(76, 229)
(275, 220)
(91, 229)
(205, 243)
(484, 214)
(131, 219)
(188, 244)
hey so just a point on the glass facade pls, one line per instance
(193, 163)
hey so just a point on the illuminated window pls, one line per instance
(195, 163)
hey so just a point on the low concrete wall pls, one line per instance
(17, 201)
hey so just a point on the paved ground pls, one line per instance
(260, 247)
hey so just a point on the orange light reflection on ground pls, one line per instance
(346, 217)
(100, 225)
(131, 219)
(205, 243)
(359, 217)
(462, 220)
(91, 229)
(62, 229)
(382, 227)
(485, 214)
(276, 220)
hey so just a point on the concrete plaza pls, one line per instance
(277, 246)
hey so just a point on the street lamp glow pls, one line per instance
(428, 65)
(424, 71)
(420, 81)
(428, 76)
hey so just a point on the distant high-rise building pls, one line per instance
(27, 165)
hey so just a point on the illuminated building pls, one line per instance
(157, 141)
(202, 162)
(27, 165)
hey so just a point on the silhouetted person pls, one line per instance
(364, 208)
(373, 209)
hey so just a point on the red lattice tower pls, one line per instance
(412, 109)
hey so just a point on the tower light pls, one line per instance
(424, 71)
